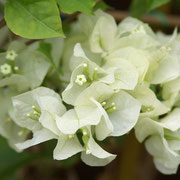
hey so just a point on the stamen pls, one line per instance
(84, 132)
(36, 109)
(85, 70)
(85, 139)
(32, 117)
(95, 75)
(103, 103)
(148, 109)
(71, 136)
(88, 151)
(111, 108)
(37, 114)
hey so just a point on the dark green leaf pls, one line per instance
(141, 7)
(34, 19)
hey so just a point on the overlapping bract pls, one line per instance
(115, 78)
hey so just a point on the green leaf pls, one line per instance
(46, 48)
(33, 19)
(102, 5)
(140, 7)
(71, 6)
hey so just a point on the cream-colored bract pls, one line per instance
(112, 79)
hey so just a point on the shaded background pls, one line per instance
(132, 162)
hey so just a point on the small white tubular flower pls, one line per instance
(5, 69)
(81, 79)
(84, 73)
(11, 55)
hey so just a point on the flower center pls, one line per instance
(109, 109)
(85, 139)
(36, 115)
(11, 55)
(81, 79)
(85, 76)
(5, 69)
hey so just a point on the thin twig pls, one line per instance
(2, 23)
(172, 20)
(70, 18)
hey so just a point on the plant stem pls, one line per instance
(2, 23)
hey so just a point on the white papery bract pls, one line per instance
(8, 128)
(113, 113)
(36, 110)
(23, 69)
(112, 78)
(162, 140)
(68, 143)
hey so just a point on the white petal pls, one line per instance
(68, 123)
(88, 115)
(165, 161)
(172, 121)
(98, 156)
(126, 114)
(51, 103)
(38, 137)
(48, 121)
(66, 147)
(168, 70)
(104, 128)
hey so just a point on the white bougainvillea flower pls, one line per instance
(168, 69)
(8, 128)
(92, 154)
(27, 70)
(171, 91)
(138, 58)
(5, 69)
(162, 140)
(151, 106)
(134, 33)
(101, 39)
(133, 25)
(11, 55)
(87, 71)
(114, 112)
(125, 74)
(36, 110)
